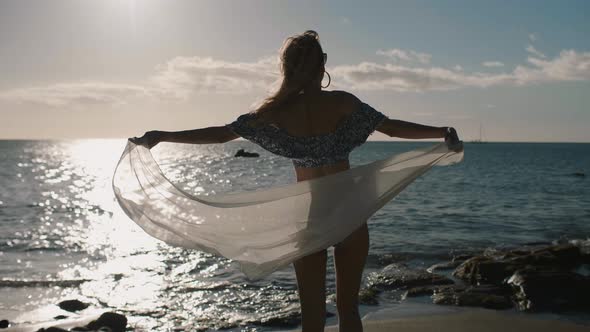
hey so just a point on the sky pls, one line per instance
(510, 70)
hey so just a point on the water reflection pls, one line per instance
(74, 242)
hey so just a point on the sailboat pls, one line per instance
(480, 140)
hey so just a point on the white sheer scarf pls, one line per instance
(265, 230)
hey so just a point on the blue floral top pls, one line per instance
(312, 151)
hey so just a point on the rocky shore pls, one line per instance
(533, 278)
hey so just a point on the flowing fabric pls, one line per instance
(265, 230)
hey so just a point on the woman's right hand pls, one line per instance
(452, 140)
(149, 139)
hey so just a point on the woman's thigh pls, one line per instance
(311, 283)
(349, 257)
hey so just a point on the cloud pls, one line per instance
(492, 64)
(79, 93)
(532, 37)
(568, 66)
(182, 77)
(403, 55)
(178, 78)
(373, 76)
(532, 50)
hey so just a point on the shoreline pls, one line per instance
(422, 317)
(472, 320)
(408, 316)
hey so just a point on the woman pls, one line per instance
(317, 129)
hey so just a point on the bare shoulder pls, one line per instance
(343, 100)
(343, 97)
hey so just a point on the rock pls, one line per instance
(116, 322)
(565, 256)
(58, 317)
(483, 269)
(104, 329)
(242, 153)
(81, 328)
(368, 296)
(494, 268)
(419, 291)
(400, 276)
(4, 324)
(443, 266)
(52, 329)
(486, 296)
(550, 289)
(73, 305)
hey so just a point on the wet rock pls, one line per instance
(401, 276)
(81, 329)
(73, 305)
(419, 291)
(4, 324)
(443, 266)
(368, 296)
(495, 267)
(544, 289)
(116, 322)
(563, 256)
(482, 269)
(52, 329)
(486, 296)
(242, 153)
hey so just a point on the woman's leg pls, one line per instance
(349, 257)
(311, 282)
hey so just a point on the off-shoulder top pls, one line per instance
(312, 151)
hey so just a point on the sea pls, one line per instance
(63, 236)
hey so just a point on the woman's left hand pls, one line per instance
(452, 140)
(149, 139)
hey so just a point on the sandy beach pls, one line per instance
(468, 321)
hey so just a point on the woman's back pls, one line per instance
(315, 115)
(317, 131)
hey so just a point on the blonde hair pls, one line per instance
(302, 62)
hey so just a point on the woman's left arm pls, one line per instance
(404, 129)
(208, 135)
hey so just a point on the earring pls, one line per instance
(329, 80)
